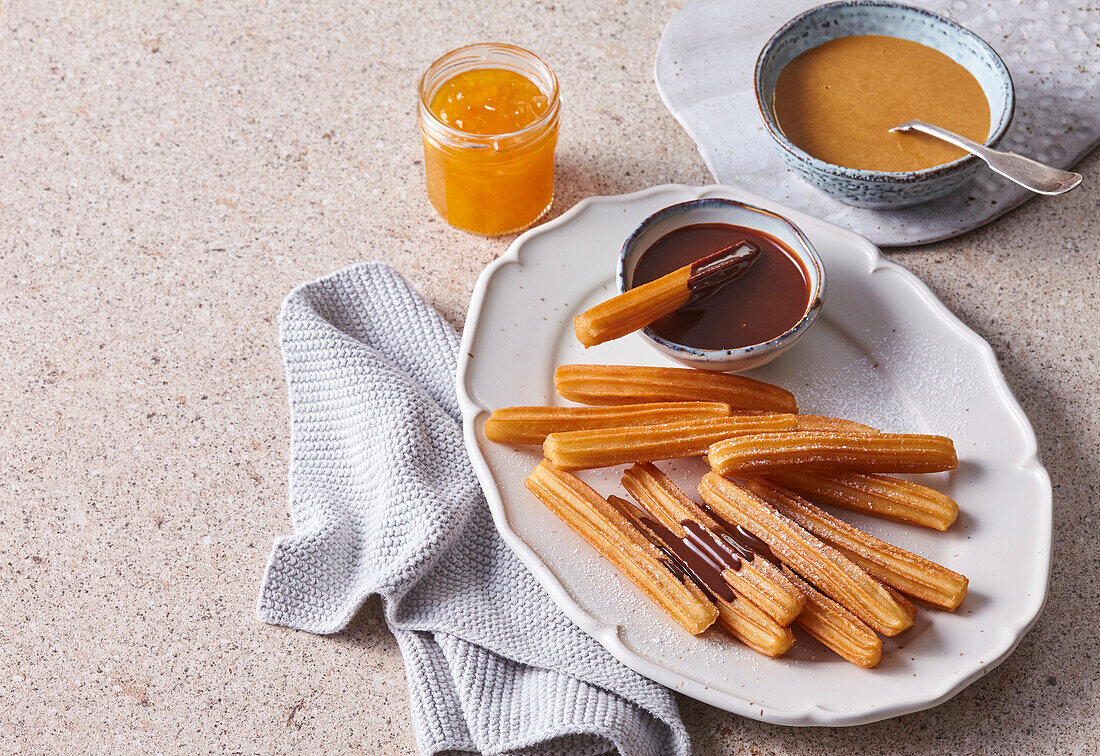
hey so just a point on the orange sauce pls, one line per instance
(498, 180)
(837, 101)
(489, 101)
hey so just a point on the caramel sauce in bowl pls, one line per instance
(900, 59)
(839, 100)
(747, 322)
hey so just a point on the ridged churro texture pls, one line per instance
(826, 568)
(633, 309)
(826, 423)
(606, 530)
(603, 447)
(836, 627)
(741, 618)
(902, 599)
(626, 384)
(758, 580)
(769, 453)
(878, 495)
(902, 570)
(749, 624)
(531, 425)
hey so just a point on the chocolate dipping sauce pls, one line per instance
(767, 301)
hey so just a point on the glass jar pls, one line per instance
(497, 183)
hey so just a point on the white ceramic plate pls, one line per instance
(885, 351)
(704, 71)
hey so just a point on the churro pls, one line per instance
(826, 423)
(878, 495)
(625, 384)
(903, 570)
(531, 425)
(757, 580)
(641, 305)
(826, 568)
(604, 527)
(903, 600)
(753, 627)
(633, 309)
(836, 627)
(767, 453)
(705, 560)
(603, 447)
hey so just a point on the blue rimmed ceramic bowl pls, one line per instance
(883, 189)
(717, 210)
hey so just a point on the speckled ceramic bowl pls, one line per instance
(717, 210)
(882, 189)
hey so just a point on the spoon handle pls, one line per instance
(1026, 172)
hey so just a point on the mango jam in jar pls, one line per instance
(488, 118)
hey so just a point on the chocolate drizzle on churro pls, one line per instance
(736, 536)
(699, 555)
(700, 539)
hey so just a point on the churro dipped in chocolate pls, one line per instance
(638, 307)
(878, 495)
(627, 384)
(621, 543)
(768, 453)
(757, 580)
(705, 560)
(836, 627)
(903, 570)
(531, 425)
(826, 568)
(603, 447)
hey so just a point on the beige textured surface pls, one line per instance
(169, 170)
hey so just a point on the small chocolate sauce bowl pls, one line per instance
(718, 210)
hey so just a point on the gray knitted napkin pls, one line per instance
(384, 501)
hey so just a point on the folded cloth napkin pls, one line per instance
(384, 501)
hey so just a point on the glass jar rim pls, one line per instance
(458, 135)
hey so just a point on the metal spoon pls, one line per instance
(1026, 172)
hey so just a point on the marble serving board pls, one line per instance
(704, 73)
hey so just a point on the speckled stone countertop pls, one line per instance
(169, 170)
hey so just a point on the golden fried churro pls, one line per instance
(902, 599)
(605, 528)
(531, 425)
(907, 572)
(826, 568)
(768, 453)
(624, 384)
(826, 423)
(633, 309)
(603, 447)
(836, 627)
(641, 305)
(704, 559)
(757, 580)
(749, 624)
(878, 495)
